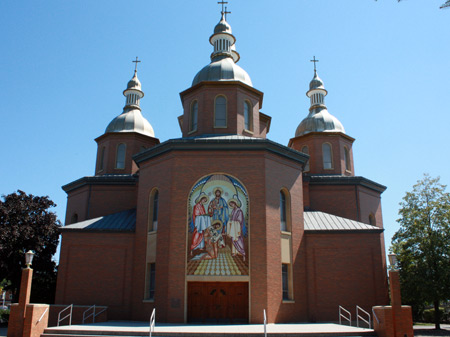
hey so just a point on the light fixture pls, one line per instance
(393, 260)
(29, 258)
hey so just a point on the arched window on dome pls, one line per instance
(74, 218)
(248, 116)
(327, 156)
(120, 156)
(193, 118)
(305, 150)
(220, 112)
(372, 220)
(347, 159)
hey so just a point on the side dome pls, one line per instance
(131, 121)
(316, 82)
(223, 69)
(134, 83)
(319, 120)
(222, 27)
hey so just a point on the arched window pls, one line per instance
(74, 218)
(102, 159)
(372, 220)
(120, 156)
(347, 159)
(193, 117)
(248, 116)
(305, 150)
(327, 156)
(220, 112)
(283, 220)
(153, 216)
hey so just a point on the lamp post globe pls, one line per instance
(29, 258)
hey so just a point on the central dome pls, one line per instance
(223, 69)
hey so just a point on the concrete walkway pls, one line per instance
(142, 327)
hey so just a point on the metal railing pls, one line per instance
(152, 322)
(342, 313)
(359, 317)
(68, 315)
(42, 316)
(94, 313)
(375, 315)
(265, 323)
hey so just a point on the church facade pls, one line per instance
(223, 223)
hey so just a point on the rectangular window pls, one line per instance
(151, 281)
(285, 280)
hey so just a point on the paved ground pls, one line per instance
(428, 330)
(419, 330)
(244, 328)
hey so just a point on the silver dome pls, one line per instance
(319, 120)
(222, 69)
(131, 121)
(134, 83)
(316, 82)
(222, 27)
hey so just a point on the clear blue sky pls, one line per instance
(64, 65)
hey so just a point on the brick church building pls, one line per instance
(221, 223)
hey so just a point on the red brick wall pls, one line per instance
(349, 201)
(314, 142)
(340, 200)
(96, 268)
(174, 174)
(98, 200)
(344, 269)
(134, 142)
(328, 269)
(235, 95)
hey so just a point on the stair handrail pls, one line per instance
(359, 317)
(341, 315)
(152, 322)
(265, 323)
(68, 315)
(92, 314)
(42, 316)
(375, 315)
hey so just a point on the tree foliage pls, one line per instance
(444, 5)
(422, 245)
(27, 224)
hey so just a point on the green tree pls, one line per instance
(422, 245)
(27, 224)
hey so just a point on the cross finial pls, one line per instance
(314, 60)
(226, 12)
(136, 62)
(221, 2)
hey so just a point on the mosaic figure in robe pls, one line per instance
(236, 229)
(200, 221)
(213, 240)
(218, 208)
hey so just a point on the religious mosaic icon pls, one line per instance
(218, 227)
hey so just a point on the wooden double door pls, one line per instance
(218, 302)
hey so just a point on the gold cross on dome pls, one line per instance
(314, 60)
(136, 63)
